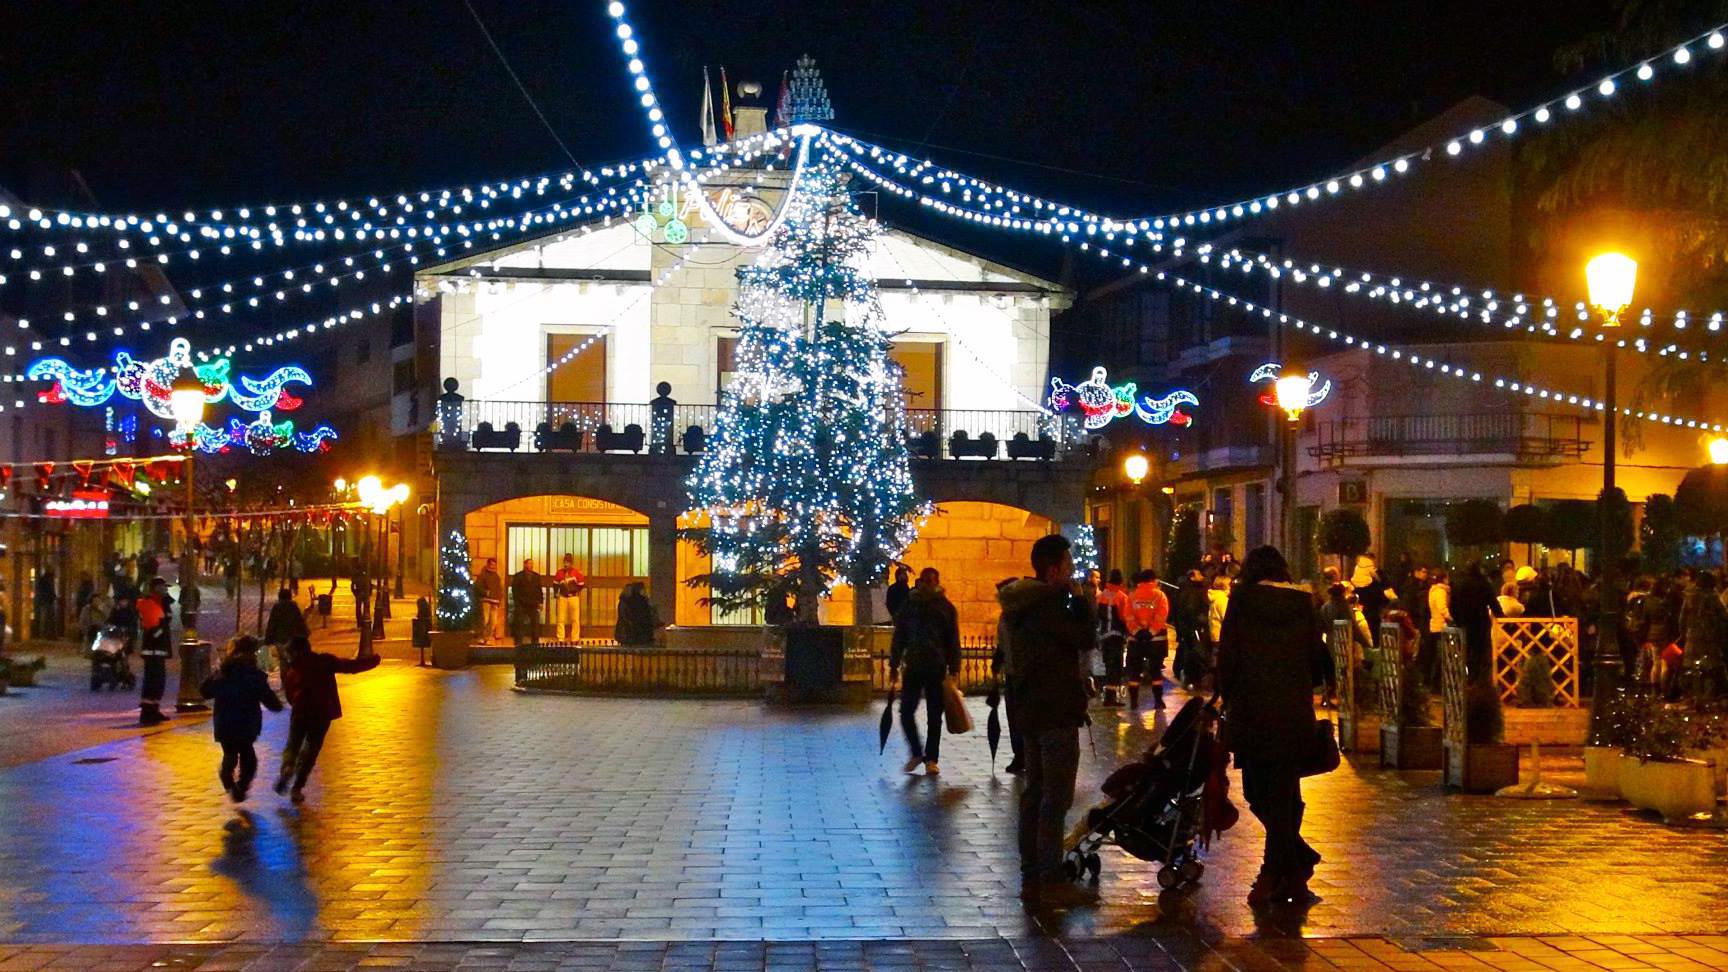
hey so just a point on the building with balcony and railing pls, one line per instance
(580, 374)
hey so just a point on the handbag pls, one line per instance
(1322, 756)
(954, 712)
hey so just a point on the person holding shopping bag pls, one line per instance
(927, 643)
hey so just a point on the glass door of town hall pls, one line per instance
(611, 556)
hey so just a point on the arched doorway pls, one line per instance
(609, 542)
(976, 545)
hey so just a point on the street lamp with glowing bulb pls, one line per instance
(1610, 278)
(1291, 392)
(186, 402)
(1718, 449)
(1136, 466)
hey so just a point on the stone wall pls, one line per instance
(975, 545)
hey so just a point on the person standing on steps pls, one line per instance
(527, 590)
(568, 585)
(236, 691)
(927, 642)
(1148, 640)
(491, 602)
(309, 681)
(1050, 629)
(1270, 657)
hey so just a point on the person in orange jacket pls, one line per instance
(1148, 636)
(1113, 634)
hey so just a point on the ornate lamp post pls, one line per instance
(1291, 392)
(378, 501)
(186, 401)
(1611, 277)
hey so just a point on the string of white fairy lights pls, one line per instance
(1429, 363)
(955, 335)
(1483, 308)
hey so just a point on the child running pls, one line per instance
(309, 681)
(237, 690)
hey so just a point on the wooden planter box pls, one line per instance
(1601, 773)
(1410, 747)
(450, 648)
(1675, 788)
(1482, 767)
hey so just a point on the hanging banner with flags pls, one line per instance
(725, 105)
(709, 137)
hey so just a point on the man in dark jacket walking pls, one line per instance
(898, 591)
(927, 642)
(285, 624)
(236, 692)
(309, 681)
(1050, 630)
(1270, 656)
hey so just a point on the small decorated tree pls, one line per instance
(455, 584)
(1182, 552)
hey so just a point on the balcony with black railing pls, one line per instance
(598, 428)
(1524, 437)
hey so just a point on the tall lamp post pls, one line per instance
(1291, 392)
(1611, 277)
(186, 401)
(378, 500)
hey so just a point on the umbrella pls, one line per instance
(887, 721)
(993, 727)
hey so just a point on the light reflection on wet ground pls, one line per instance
(447, 808)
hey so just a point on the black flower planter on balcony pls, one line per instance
(629, 440)
(565, 438)
(486, 437)
(962, 446)
(925, 446)
(1022, 446)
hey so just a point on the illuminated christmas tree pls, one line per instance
(1085, 551)
(807, 479)
(456, 585)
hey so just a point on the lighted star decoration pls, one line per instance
(1102, 403)
(151, 382)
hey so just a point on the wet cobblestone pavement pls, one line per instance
(448, 809)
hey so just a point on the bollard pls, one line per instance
(194, 669)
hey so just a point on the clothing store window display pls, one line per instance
(567, 587)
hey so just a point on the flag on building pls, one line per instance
(783, 104)
(709, 138)
(725, 105)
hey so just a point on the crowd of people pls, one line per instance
(537, 601)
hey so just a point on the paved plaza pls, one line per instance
(455, 823)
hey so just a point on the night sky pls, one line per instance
(1152, 105)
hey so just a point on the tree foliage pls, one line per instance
(1342, 533)
(1701, 501)
(1660, 535)
(1182, 552)
(1475, 523)
(1527, 523)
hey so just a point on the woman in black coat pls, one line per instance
(1271, 654)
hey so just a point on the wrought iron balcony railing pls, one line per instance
(631, 427)
(1526, 436)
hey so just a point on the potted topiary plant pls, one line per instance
(1656, 775)
(1485, 762)
(1536, 682)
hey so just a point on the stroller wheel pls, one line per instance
(1192, 871)
(1073, 870)
(1169, 878)
(1095, 865)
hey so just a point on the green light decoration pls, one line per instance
(807, 478)
(1085, 551)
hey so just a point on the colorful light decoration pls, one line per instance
(1103, 403)
(1272, 371)
(152, 382)
(261, 437)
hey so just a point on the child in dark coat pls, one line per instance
(237, 690)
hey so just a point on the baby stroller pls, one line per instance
(108, 660)
(1163, 808)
